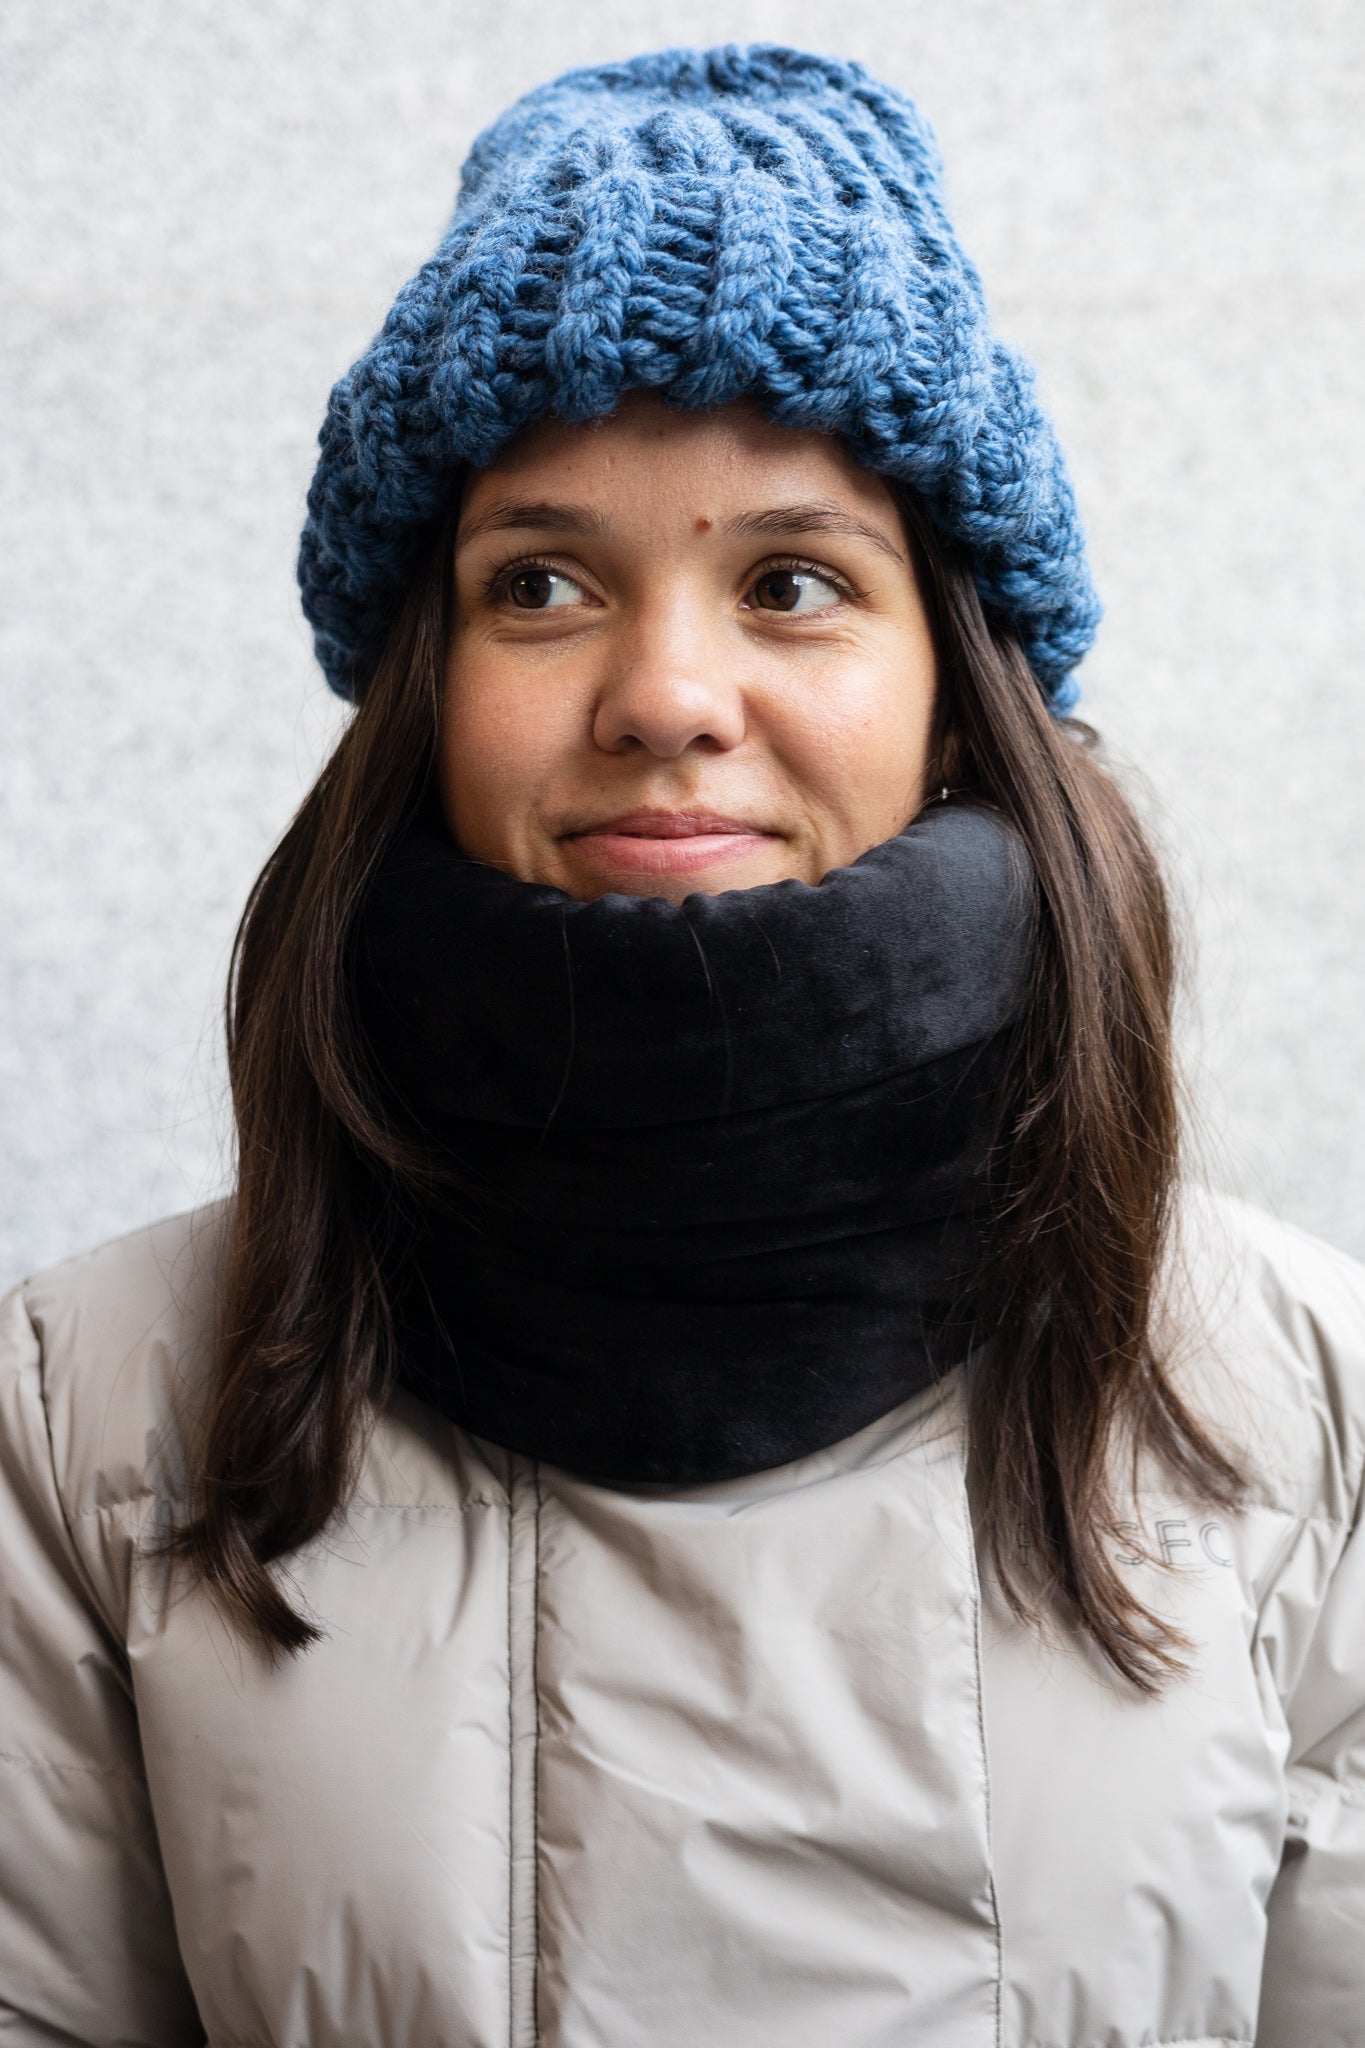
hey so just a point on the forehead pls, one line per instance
(724, 456)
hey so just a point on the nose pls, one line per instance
(668, 686)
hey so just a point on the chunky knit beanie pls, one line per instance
(708, 223)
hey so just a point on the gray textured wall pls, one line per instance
(209, 210)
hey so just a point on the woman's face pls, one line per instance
(689, 653)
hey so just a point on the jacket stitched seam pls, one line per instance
(1349, 1795)
(997, 1930)
(382, 1507)
(128, 1500)
(511, 1765)
(1318, 1518)
(426, 1507)
(1315, 1518)
(107, 1621)
(1170, 2041)
(535, 1767)
(484, 1500)
(43, 1763)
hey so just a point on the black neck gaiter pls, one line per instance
(720, 1166)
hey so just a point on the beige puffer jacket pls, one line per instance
(758, 1765)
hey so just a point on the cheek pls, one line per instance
(497, 746)
(864, 740)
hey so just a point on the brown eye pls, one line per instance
(531, 589)
(539, 590)
(794, 590)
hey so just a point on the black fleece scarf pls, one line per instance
(721, 1164)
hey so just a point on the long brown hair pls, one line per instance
(1084, 1174)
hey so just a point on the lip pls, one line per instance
(653, 842)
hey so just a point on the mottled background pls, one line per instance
(208, 211)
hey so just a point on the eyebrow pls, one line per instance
(509, 515)
(816, 516)
(811, 516)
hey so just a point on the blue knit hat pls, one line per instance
(711, 224)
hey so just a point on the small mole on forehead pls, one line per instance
(704, 524)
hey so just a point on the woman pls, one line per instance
(711, 1482)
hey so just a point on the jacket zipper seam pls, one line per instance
(969, 1526)
(969, 1531)
(511, 1753)
(535, 1765)
(523, 1712)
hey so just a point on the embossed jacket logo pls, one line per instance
(1180, 1540)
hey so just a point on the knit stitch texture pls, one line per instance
(710, 224)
